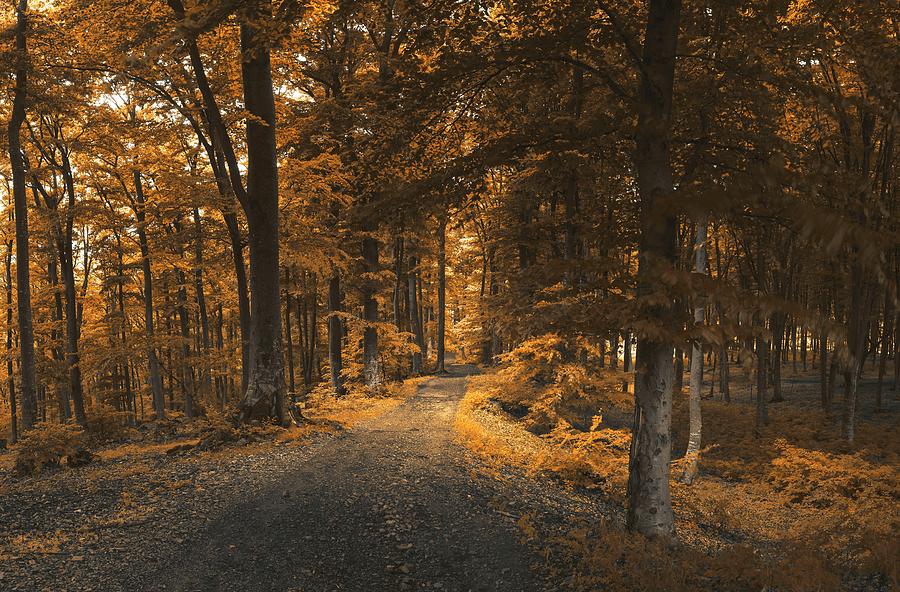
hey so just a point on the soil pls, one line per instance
(394, 504)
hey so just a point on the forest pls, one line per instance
(460, 295)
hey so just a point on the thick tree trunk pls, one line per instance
(371, 369)
(265, 389)
(23, 275)
(692, 455)
(155, 378)
(649, 504)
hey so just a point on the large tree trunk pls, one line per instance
(23, 275)
(692, 455)
(155, 378)
(265, 390)
(649, 503)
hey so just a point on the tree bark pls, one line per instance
(442, 293)
(289, 338)
(23, 275)
(692, 455)
(415, 320)
(371, 369)
(335, 331)
(10, 375)
(649, 504)
(155, 378)
(265, 390)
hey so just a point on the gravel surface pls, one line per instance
(394, 504)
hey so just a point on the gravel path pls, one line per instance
(395, 504)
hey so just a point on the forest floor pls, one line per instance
(395, 503)
(793, 508)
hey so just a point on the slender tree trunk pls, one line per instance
(23, 275)
(335, 331)
(287, 330)
(778, 323)
(62, 398)
(692, 455)
(649, 504)
(205, 367)
(10, 375)
(626, 361)
(398, 282)
(240, 274)
(860, 304)
(155, 378)
(886, 330)
(187, 368)
(415, 321)
(442, 293)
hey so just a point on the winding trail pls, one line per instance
(392, 505)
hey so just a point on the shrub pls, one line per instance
(49, 445)
(105, 423)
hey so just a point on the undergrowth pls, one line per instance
(790, 510)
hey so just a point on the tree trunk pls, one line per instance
(155, 378)
(205, 367)
(335, 333)
(778, 323)
(371, 369)
(860, 305)
(415, 321)
(886, 330)
(442, 293)
(692, 455)
(289, 338)
(649, 504)
(265, 389)
(23, 275)
(10, 376)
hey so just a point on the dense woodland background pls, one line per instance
(228, 206)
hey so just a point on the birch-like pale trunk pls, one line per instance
(692, 455)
